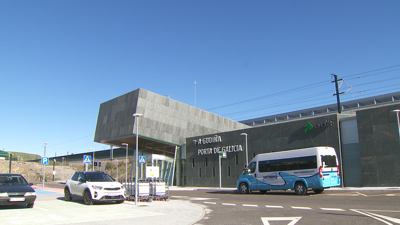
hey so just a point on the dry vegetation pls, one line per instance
(33, 171)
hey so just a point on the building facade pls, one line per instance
(185, 141)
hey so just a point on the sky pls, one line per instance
(59, 60)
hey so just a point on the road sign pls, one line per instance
(142, 159)
(45, 160)
(152, 172)
(87, 159)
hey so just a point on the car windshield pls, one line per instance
(7, 180)
(98, 177)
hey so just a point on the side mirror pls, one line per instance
(246, 171)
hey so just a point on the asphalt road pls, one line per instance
(275, 208)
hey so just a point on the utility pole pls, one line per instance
(337, 93)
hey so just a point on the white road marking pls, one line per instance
(247, 205)
(293, 220)
(299, 207)
(381, 217)
(366, 214)
(274, 206)
(213, 203)
(332, 209)
(201, 199)
(230, 204)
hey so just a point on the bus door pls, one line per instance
(269, 176)
(330, 171)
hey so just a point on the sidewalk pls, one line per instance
(151, 213)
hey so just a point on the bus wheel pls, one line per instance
(318, 190)
(300, 188)
(244, 189)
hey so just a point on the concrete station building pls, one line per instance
(183, 141)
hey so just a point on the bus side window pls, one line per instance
(252, 167)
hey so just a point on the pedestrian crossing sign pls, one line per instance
(142, 159)
(87, 159)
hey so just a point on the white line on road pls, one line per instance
(332, 209)
(298, 207)
(247, 205)
(230, 204)
(274, 206)
(212, 203)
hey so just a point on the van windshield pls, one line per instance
(328, 161)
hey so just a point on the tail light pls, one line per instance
(320, 172)
(338, 173)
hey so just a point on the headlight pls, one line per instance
(3, 194)
(30, 194)
(97, 187)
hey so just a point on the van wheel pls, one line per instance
(300, 188)
(318, 190)
(244, 189)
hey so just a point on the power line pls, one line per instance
(371, 71)
(72, 140)
(303, 87)
(266, 96)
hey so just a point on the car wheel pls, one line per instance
(30, 205)
(318, 190)
(67, 194)
(244, 189)
(120, 201)
(87, 198)
(263, 191)
(300, 188)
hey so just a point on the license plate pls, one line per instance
(17, 199)
(112, 194)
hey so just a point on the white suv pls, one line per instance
(94, 186)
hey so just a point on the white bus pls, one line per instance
(315, 168)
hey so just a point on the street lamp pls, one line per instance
(398, 119)
(92, 159)
(44, 165)
(136, 115)
(247, 153)
(126, 164)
